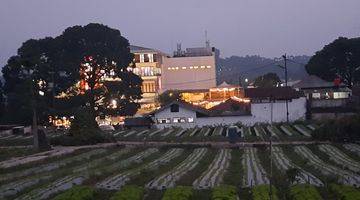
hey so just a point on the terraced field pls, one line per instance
(193, 171)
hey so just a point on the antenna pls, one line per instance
(207, 42)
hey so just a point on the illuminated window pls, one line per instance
(316, 95)
(195, 67)
(190, 119)
(141, 58)
(208, 66)
(183, 68)
(151, 57)
(191, 67)
(176, 68)
(202, 67)
(169, 68)
(179, 120)
(163, 121)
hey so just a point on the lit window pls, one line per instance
(208, 66)
(169, 68)
(190, 119)
(142, 58)
(202, 67)
(176, 120)
(151, 57)
(183, 68)
(316, 95)
(163, 121)
(195, 67)
(176, 68)
(191, 67)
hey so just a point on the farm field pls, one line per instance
(190, 171)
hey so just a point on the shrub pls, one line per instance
(129, 192)
(308, 192)
(261, 192)
(77, 193)
(345, 192)
(225, 192)
(178, 193)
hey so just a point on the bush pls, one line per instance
(225, 192)
(261, 192)
(308, 192)
(129, 192)
(339, 130)
(345, 192)
(178, 193)
(77, 193)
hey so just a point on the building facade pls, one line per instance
(193, 69)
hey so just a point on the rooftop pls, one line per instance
(313, 81)
(276, 93)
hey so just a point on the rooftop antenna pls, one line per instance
(207, 42)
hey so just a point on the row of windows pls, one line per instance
(175, 120)
(190, 67)
(148, 87)
(146, 71)
(148, 57)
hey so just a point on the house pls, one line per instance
(325, 99)
(260, 109)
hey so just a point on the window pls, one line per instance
(151, 57)
(316, 95)
(141, 58)
(163, 121)
(146, 57)
(174, 108)
(137, 58)
(179, 120)
(190, 119)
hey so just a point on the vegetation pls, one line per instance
(225, 192)
(261, 192)
(308, 192)
(339, 59)
(345, 192)
(233, 175)
(268, 80)
(75, 64)
(339, 130)
(77, 193)
(178, 193)
(169, 96)
(129, 192)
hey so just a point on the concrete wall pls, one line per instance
(175, 77)
(260, 113)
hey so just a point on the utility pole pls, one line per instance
(286, 84)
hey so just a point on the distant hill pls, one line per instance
(251, 67)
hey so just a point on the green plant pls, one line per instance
(129, 192)
(77, 193)
(308, 192)
(225, 192)
(261, 192)
(345, 192)
(178, 193)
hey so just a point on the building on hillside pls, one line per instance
(262, 105)
(193, 69)
(148, 67)
(325, 99)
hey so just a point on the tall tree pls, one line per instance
(98, 58)
(339, 59)
(268, 80)
(169, 96)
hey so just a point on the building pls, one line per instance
(325, 99)
(148, 67)
(192, 69)
(262, 106)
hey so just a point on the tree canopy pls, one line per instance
(85, 65)
(169, 96)
(339, 59)
(268, 80)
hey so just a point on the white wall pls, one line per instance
(260, 113)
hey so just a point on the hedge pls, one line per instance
(261, 192)
(345, 192)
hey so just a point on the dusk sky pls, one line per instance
(237, 27)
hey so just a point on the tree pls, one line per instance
(339, 59)
(2, 103)
(168, 97)
(268, 80)
(97, 58)
(292, 175)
